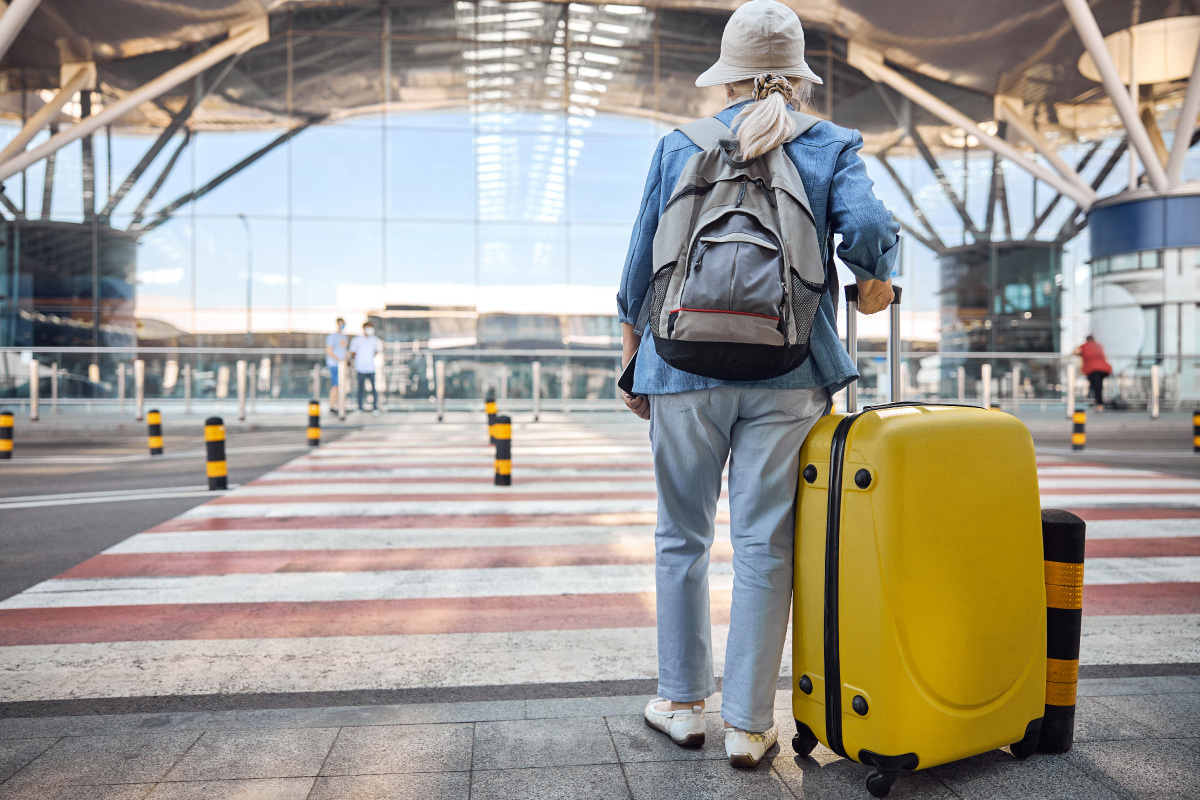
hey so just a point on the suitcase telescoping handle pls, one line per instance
(897, 390)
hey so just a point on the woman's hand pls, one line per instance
(639, 405)
(874, 296)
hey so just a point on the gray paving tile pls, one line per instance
(825, 776)
(263, 789)
(400, 748)
(227, 755)
(1146, 769)
(665, 780)
(86, 760)
(550, 783)
(585, 707)
(16, 753)
(117, 791)
(996, 775)
(1097, 722)
(637, 741)
(542, 743)
(1164, 714)
(417, 786)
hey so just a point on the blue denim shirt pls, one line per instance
(842, 199)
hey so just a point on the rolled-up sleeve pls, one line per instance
(639, 262)
(869, 233)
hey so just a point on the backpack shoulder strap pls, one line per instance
(803, 123)
(706, 133)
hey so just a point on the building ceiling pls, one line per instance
(356, 57)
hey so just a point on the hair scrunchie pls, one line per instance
(767, 84)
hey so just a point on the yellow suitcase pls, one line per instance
(919, 622)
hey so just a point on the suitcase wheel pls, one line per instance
(1028, 745)
(804, 741)
(879, 783)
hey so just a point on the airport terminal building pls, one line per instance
(208, 182)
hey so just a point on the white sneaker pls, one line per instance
(685, 727)
(746, 749)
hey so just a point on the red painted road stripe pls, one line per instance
(1135, 512)
(1144, 548)
(137, 565)
(458, 497)
(1141, 599)
(132, 565)
(45, 626)
(1129, 490)
(419, 521)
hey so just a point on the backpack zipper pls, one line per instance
(766, 192)
(688, 191)
(742, 193)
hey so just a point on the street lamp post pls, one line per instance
(249, 275)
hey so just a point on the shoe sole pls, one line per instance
(743, 761)
(691, 740)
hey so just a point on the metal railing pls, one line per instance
(203, 380)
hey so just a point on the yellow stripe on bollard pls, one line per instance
(217, 469)
(1062, 574)
(1061, 670)
(6, 434)
(1061, 694)
(504, 466)
(1068, 597)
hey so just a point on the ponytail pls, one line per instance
(765, 123)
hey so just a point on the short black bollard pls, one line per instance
(6, 434)
(154, 434)
(314, 423)
(214, 446)
(492, 410)
(1063, 536)
(502, 430)
(1196, 431)
(1079, 430)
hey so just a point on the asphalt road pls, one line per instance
(48, 523)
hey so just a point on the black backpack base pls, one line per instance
(730, 361)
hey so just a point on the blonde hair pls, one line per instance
(765, 124)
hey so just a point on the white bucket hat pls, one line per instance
(761, 36)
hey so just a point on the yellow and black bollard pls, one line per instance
(492, 410)
(1063, 536)
(1196, 431)
(154, 434)
(6, 434)
(1078, 430)
(314, 423)
(502, 430)
(214, 445)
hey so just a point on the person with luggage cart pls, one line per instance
(730, 268)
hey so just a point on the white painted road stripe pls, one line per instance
(383, 539)
(233, 666)
(387, 508)
(305, 587)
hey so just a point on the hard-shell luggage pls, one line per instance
(919, 630)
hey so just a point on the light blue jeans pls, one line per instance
(692, 434)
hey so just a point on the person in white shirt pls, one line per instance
(364, 348)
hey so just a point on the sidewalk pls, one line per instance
(1135, 738)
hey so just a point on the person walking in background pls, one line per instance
(698, 424)
(364, 349)
(1096, 367)
(335, 352)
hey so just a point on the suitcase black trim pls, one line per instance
(833, 662)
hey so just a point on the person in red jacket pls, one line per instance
(1096, 367)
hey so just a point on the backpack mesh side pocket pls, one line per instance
(804, 301)
(661, 281)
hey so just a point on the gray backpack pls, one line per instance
(738, 272)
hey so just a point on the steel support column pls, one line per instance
(240, 40)
(13, 20)
(1118, 93)
(80, 76)
(871, 65)
(1186, 125)
(1013, 116)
